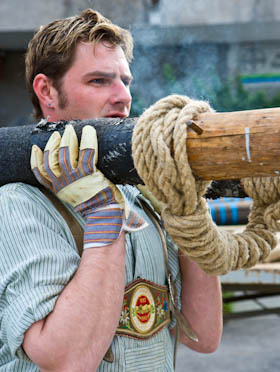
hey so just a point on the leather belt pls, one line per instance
(145, 309)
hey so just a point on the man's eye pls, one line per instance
(126, 82)
(98, 81)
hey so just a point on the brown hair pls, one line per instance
(52, 49)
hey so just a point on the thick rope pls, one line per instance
(160, 157)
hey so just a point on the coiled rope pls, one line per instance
(160, 156)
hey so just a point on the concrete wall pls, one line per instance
(30, 14)
(18, 15)
(25, 15)
(213, 12)
(122, 12)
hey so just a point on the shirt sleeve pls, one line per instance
(38, 257)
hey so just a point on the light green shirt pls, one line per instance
(38, 257)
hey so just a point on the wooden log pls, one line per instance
(235, 145)
(232, 145)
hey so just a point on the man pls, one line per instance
(59, 311)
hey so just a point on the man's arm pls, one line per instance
(201, 300)
(77, 333)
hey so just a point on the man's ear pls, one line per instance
(43, 88)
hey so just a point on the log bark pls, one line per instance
(114, 139)
(232, 146)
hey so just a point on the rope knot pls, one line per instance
(160, 152)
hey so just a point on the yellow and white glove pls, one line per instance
(71, 173)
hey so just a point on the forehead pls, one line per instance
(101, 55)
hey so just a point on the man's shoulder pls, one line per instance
(19, 192)
(25, 200)
(18, 187)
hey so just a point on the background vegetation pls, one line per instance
(230, 95)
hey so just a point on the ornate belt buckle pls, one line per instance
(145, 309)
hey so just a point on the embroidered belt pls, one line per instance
(145, 309)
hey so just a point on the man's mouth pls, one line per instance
(116, 115)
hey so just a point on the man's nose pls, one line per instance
(122, 93)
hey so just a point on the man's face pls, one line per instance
(96, 85)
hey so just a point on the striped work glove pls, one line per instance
(72, 175)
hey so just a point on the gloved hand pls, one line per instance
(73, 176)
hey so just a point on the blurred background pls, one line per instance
(223, 51)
